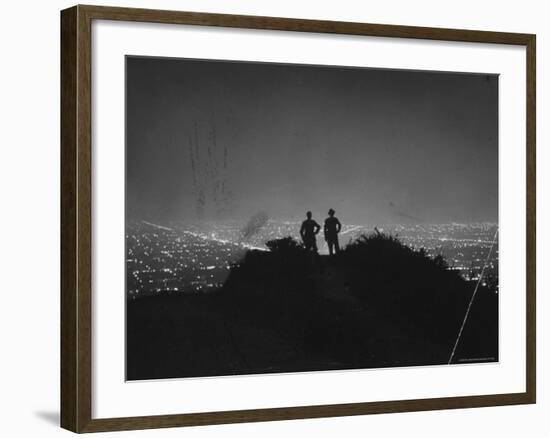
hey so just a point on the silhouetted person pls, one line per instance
(308, 231)
(332, 228)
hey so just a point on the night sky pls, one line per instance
(225, 140)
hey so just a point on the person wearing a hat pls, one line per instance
(332, 228)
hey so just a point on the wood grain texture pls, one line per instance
(76, 219)
(531, 213)
(301, 25)
(303, 412)
(69, 326)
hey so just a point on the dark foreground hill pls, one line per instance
(378, 303)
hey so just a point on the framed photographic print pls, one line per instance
(271, 218)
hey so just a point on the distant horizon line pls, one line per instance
(298, 221)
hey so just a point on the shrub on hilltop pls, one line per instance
(286, 245)
(414, 291)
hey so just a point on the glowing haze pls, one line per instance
(221, 140)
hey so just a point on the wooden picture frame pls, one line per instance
(76, 218)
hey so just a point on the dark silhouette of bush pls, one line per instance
(416, 292)
(285, 245)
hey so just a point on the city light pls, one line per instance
(197, 258)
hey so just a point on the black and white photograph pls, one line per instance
(285, 218)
